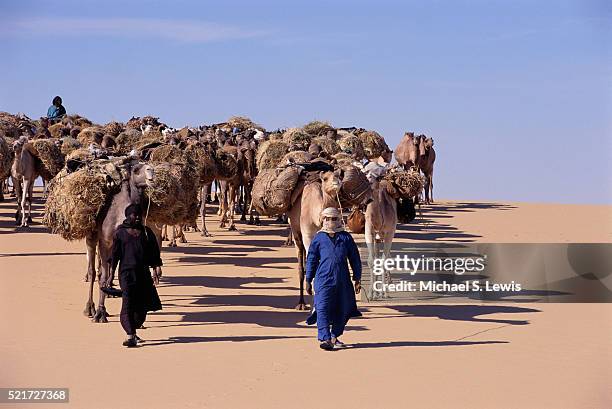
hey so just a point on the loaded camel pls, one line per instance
(427, 157)
(407, 152)
(23, 174)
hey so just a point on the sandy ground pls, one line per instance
(228, 336)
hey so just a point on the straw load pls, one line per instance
(59, 130)
(173, 194)
(206, 167)
(6, 159)
(81, 155)
(270, 154)
(317, 128)
(113, 128)
(355, 187)
(242, 123)
(352, 145)
(272, 190)
(297, 139)
(226, 162)
(13, 126)
(49, 155)
(75, 120)
(91, 134)
(78, 201)
(137, 122)
(127, 139)
(328, 145)
(69, 145)
(296, 157)
(343, 159)
(402, 183)
(374, 144)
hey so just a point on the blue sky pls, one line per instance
(516, 94)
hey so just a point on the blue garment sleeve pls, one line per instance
(312, 260)
(52, 112)
(354, 258)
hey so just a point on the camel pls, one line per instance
(381, 221)
(23, 175)
(426, 164)
(304, 217)
(248, 176)
(229, 189)
(136, 177)
(407, 151)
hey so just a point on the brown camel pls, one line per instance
(407, 152)
(229, 189)
(23, 175)
(381, 221)
(136, 177)
(304, 217)
(426, 164)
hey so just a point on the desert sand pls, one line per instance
(228, 336)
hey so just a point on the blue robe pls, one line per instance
(56, 112)
(334, 300)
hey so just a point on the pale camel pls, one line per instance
(23, 175)
(407, 151)
(307, 202)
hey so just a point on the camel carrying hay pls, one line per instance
(328, 145)
(77, 200)
(6, 159)
(297, 139)
(317, 128)
(272, 190)
(403, 184)
(91, 134)
(352, 145)
(374, 144)
(48, 152)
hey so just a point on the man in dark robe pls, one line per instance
(326, 263)
(135, 249)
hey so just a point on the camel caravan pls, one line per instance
(92, 172)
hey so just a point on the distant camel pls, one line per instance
(426, 164)
(407, 152)
(304, 217)
(136, 176)
(23, 175)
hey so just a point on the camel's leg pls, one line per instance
(388, 241)
(17, 189)
(164, 232)
(289, 241)
(104, 281)
(30, 199)
(172, 237)
(90, 307)
(232, 196)
(222, 195)
(301, 273)
(181, 234)
(431, 199)
(370, 239)
(205, 190)
(24, 198)
(2, 190)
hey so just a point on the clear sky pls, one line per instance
(516, 94)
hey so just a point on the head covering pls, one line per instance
(133, 209)
(331, 226)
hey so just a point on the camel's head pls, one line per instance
(387, 156)
(330, 182)
(142, 175)
(426, 144)
(19, 143)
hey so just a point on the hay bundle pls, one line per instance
(343, 160)
(173, 193)
(82, 155)
(144, 142)
(206, 167)
(297, 139)
(352, 145)
(355, 187)
(272, 189)
(242, 123)
(6, 159)
(317, 128)
(77, 201)
(114, 128)
(297, 157)
(270, 153)
(328, 145)
(75, 120)
(49, 154)
(374, 144)
(127, 139)
(91, 134)
(69, 145)
(59, 130)
(403, 184)
(276, 136)
(136, 122)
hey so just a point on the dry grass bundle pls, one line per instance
(317, 128)
(270, 153)
(297, 157)
(91, 134)
(6, 159)
(226, 164)
(403, 184)
(76, 202)
(49, 154)
(114, 128)
(297, 139)
(146, 141)
(344, 160)
(328, 145)
(374, 144)
(242, 123)
(76, 120)
(69, 145)
(59, 130)
(276, 136)
(206, 168)
(81, 155)
(352, 144)
(127, 139)
(272, 188)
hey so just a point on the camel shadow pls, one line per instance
(395, 344)
(191, 340)
(467, 312)
(226, 282)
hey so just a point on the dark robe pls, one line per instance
(135, 249)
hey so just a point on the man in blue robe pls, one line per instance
(326, 263)
(56, 111)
